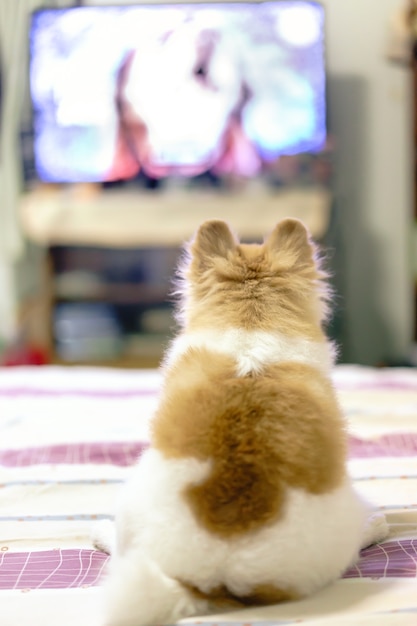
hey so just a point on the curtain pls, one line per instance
(14, 56)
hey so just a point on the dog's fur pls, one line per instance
(243, 496)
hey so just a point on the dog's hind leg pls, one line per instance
(376, 529)
(103, 536)
(138, 593)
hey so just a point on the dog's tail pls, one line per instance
(138, 593)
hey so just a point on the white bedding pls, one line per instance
(67, 438)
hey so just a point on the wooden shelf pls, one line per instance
(79, 216)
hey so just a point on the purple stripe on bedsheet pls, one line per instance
(396, 559)
(127, 453)
(85, 393)
(61, 569)
(51, 569)
(112, 453)
(398, 444)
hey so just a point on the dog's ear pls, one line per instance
(213, 239)
(290, 237)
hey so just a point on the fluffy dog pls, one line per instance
(243, 496)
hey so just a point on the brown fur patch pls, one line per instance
(278, 285)
(222, 598)
(262, 435)
(268, 594)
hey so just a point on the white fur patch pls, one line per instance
(252, 350)
(312, 544)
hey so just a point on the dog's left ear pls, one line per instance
(213, 239)
(290, 236)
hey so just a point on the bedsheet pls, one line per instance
(68, 437)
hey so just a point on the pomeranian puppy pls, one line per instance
(243, 497)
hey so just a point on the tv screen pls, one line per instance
(184, 90)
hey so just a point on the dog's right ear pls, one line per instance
(213, 239)
(290, 237)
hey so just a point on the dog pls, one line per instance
(243, 497)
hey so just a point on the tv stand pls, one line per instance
(82, 214)
(87, 231)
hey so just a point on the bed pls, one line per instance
(68, 437)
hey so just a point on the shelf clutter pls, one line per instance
(110, 303)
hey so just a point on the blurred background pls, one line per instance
(111, 155)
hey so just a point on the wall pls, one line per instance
(370, 115)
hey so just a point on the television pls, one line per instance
(213, 91)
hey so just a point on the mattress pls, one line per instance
(68, 437)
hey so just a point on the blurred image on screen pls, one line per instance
(176, 90)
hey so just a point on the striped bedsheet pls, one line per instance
(68, 437)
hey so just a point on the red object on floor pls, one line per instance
(24, 355)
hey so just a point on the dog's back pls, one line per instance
(261, 434)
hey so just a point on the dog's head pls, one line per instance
(277, 285)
